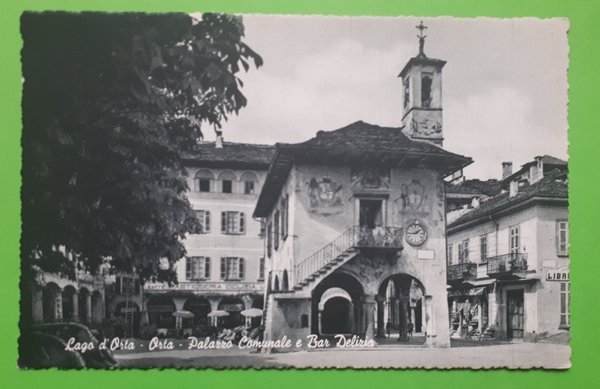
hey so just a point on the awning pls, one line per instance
(467, 292)
(489, 281)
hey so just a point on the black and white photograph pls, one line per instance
(222, 191)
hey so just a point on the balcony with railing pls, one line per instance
(461, 272)
(355, 238)
(507, 265)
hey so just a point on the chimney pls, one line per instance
(506, 169)
(219, 141)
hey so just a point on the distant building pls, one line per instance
(508, 259)
(56, 298)
(356, 223)
(224, 268)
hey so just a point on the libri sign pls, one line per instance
(557, 275)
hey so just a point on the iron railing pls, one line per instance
(354, 237)
(461, 271)
(507, 263)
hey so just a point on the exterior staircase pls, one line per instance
(325, 261)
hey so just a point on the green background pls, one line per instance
(584, 138)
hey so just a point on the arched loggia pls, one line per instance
(337, 306)
(400, 302)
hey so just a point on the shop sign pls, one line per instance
(557, 275)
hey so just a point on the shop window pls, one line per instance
(197, 268)
(565, 302)
(562, 237)
(232, 268)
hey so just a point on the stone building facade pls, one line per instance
(57, 298)
(508, 262)
(356, 222)
(224, 266)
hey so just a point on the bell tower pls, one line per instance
(422, 85)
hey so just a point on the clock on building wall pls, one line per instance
(416, 234)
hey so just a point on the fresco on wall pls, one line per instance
(325, 196)
(370, 178)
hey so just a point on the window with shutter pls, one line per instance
(450, 254)
(483, 248)
(514, 240)
(233, 223)
(204, 220)
(276, 230)
(242, 229)
(562, 237)
(269, 239)
(197, 268)
(223, 268)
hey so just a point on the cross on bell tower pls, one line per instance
(422, 82)
(421, 37)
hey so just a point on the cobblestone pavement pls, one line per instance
(511, 355)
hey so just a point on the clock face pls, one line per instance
(416, 234)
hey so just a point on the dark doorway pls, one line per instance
(336, 317)
(352, 312)
(515, 314)
(371, 213)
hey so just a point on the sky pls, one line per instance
(504, 84)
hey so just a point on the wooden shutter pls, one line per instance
(206, 221)
(242, 223)
(188, 268)
(207, 267)
(223, 222)
(241, 269)
(223, 268)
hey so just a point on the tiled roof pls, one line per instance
(370, 137)
(360, 144)
(232, 154)
(547, 160)
(475, 187)
(552, 186)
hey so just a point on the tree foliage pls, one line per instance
(110, 104)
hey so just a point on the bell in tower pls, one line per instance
(422, 82)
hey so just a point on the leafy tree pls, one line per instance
(110, 104)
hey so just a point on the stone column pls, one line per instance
(403, 334)
(380, 317)
(37, 305)
(370, 312)
(75, 302)
(57, 308)
(88, 308)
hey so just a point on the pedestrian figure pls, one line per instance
(388, 327)
(410, 328)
